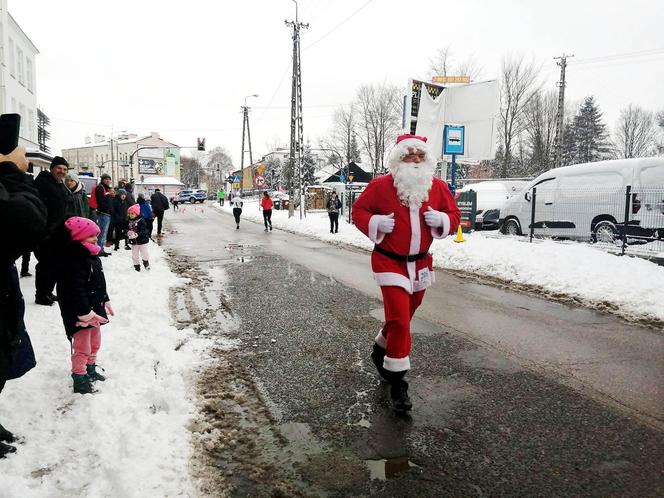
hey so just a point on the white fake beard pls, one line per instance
(413, 181)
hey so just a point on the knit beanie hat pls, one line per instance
(72, 175)
(81, 228)
(59, 161)
(121, 191)
(135, 208)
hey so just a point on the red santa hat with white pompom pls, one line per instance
(405, 142)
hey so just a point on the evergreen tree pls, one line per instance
(308, 166)
(354, 151)
(586, 136)
(273, 173)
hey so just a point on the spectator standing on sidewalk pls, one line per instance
(84, 303)
(221, 195)
(23, 225)
(146, 212)
(266, 204)
(159, 204)
(333, 207)
(237, 209)
(120, 205)
(81, 204)
(138, 238)
(104, 210)
(59, 203)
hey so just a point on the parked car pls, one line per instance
(89, 182)
(194, 195)
(587, 201)
(491, 196)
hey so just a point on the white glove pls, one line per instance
(433, 218)
(386, 223)
(131, 235)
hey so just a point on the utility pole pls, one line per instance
(558, 142)
(245, 129)
(297, 129)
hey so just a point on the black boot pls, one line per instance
(6, 448)
(377, 356)
(137, 267)
(52, 297)
(146, 264)
(44, 300)
(399, 391)
(93, 374)
(6, 436)
(82, 384)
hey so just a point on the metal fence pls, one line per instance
(623, 220)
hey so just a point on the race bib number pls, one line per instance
(424, 277)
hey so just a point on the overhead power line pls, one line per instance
(338, 25)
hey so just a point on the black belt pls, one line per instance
(399, 257)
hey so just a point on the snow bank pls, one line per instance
(130, 439)
(628, 286)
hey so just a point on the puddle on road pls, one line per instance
(389, 468)
(241, 253)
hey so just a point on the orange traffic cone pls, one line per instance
(459, 235)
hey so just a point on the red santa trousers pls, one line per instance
(395, 337)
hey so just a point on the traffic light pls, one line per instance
(201, 143)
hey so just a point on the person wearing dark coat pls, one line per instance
(84, 303)
(146, 213)
(159, 204)
(23, 225)
(104, 210)
(59, 204)
(77, 189)
(119, 217)
(333, 207)
(139, 237)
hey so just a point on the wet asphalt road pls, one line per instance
(491, 417)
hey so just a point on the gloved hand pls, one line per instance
(108, 308)
(386, 223)
(433, 218)
(92, 319)
(131, 235)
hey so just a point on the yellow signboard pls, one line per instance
(450, 79)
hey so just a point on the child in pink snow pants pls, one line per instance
(84, 303)
(139, 237)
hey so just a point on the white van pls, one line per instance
(587, 201)
(491, 195)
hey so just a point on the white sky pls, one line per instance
(184, 68)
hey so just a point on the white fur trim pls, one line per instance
(415, 233)
(444, 231)
(401, 149)
(380, 339)
(394, 279)
(375, 235)
(396, 364)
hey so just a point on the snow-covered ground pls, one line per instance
(627, 286)
(130, 439)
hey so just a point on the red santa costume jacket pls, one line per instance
(411, 234)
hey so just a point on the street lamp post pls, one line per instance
(245, 126)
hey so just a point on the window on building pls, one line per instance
(2, 43)
(12, 58)
(32, 132)
(20, 65)
(29, 76)
(24, 121)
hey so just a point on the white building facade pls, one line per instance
(126, 156)
(18, 89)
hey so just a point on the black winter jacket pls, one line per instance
(120, 211)
(57, 197)
(159, 202)
(81, 285)
(23, 225)
(103, 199)
(139, 226)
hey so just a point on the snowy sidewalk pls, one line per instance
(630, 287)
(131, 438)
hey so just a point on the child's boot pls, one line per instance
(6, 436)
(82, 384)
(137, 267)
(93, 374)
(146, 263)
(6, 448)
